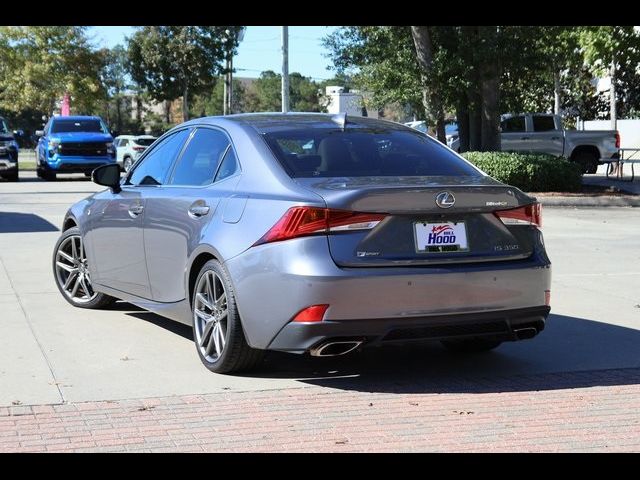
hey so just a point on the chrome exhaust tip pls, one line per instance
(525, 333)
(335, 348)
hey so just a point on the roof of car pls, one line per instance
(272, 122)
(76, 117)
(135, 136)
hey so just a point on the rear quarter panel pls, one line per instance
(603, 140)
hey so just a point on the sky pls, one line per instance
(260, 50)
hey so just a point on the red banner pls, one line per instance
(66, 105)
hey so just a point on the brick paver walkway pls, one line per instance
(579, 411)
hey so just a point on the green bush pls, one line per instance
(531, 172)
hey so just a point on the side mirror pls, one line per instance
(108, 176)
(39, 133)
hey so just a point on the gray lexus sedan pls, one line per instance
(309, 233)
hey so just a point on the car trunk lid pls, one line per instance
(427, 220)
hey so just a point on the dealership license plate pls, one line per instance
(441, 237)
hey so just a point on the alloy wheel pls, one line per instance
(72, 272)
(210, 316)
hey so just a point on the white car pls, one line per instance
(130, 147)
(451, 132)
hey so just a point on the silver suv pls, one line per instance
(130, 147)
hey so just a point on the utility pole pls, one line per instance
(612, 98)
(227, 86)
(230, 44)
(285, 69)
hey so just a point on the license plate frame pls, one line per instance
(445, 230)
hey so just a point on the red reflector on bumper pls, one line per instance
(547, 297)
(314, 313)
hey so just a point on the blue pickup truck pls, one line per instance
(73, 144)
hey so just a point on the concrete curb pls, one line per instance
(589, 201)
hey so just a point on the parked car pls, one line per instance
(73, 144)
(130, 147)
(8, 153)
(450, 129)
(419, 125)
(540, 132)
(309, 233)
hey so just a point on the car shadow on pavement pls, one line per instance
(571, 353)
(15, 222)
(162, 322)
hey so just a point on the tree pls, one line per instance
(265, 94)
(114, 80)
(39, 64)
(606, 49)
(431, 95)
(174, 61)
(211, 103)
(379, 60)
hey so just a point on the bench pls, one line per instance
(627, 155)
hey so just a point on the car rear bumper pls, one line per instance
(505, 325)
(7, 166)
(7, 155)
(274, 282)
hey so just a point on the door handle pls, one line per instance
(136, 210)
(199, 209)
(555, 138)
(525, 138)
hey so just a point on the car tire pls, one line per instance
(48, 176)
(587, 161)
(470, 345)
(71, 274)
(127, 163)
(217, 330)
(13, 177)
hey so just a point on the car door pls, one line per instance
(547, 135)
(121, 147)
(117, 235)
(514, 137)
(178, 214)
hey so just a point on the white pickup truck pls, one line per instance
(543, 133)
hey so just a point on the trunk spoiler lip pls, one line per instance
(345, 191)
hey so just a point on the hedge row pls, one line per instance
(530, 172)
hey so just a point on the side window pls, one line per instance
(201, 158)
(543, 123)
(513, 124)
(156, 165)
(228, 167)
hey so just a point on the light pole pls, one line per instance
(228, 79)
(285, 69)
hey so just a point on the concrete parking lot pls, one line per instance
(580, 377)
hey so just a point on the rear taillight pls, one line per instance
(527, 215)
(617, 140)
(138, 149)
(303, 221)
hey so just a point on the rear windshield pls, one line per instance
(363, 153)
(145, 142)
(60, 126)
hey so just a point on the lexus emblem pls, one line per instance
(445, 199)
